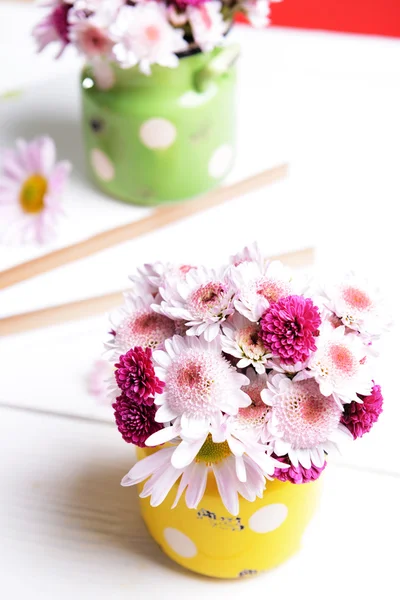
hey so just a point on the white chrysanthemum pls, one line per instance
(251, 253)
(144, 36)
(241, 339)
(155, 275)
(303, 423)
(200, 385)
(297, 370)
(136, 324)
(207, 24)
(203, 300)
(256, 288)
(234, 474)
(338, 365)
(257, 12)
(358, 308)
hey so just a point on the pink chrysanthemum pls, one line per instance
(135, 422)
(182, 4)
(289, 326)
(54, 27)
(134, 374)
(297, 474)
(360, 417)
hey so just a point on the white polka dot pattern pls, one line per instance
(220, 161)
(268, 518)
(157, 134)
(102, 165)
(180, 543)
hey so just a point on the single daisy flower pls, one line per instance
(241, 339)
(136, 324)
(357, 305)
(97, 380)
(302, 423)
(144, 36)
(200, 385)
(203, 300)
(207, 24)
(213, 457)
(54, 27)
(31, 186)
(257, 288)
(338, 365)
(289, 327)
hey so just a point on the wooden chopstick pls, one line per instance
(89, 307)
(159, 218)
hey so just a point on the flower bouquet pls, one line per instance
(238, 382)
(158, 90)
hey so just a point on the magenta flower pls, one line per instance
(31, 186)
(288, 328)
(135, 422)
(297, 474)
(135, 376)
(182, 4)
(359, 418)
(54, 27)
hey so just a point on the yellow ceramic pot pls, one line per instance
(212, 542)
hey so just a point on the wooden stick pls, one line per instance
(81, 309)
(159, 218)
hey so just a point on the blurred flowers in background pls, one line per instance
(144, 32)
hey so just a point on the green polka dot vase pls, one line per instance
(165, 137)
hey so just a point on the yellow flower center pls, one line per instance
(210, 452)
(32, 194)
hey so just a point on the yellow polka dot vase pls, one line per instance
(210, 541)
(168, 136)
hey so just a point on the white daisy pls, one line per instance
(203, 300)
(302, 423)
(338, 365)
(358, 308)
(211, 457)
(200, 385)
(136, 324)
(256, 288)
(144, 36)
(241, 339)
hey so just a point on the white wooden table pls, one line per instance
(327, 103)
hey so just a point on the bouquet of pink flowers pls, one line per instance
(142, 32)
(248, 372)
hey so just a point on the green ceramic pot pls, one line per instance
(164, 137)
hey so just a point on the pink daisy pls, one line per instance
(31, 186)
